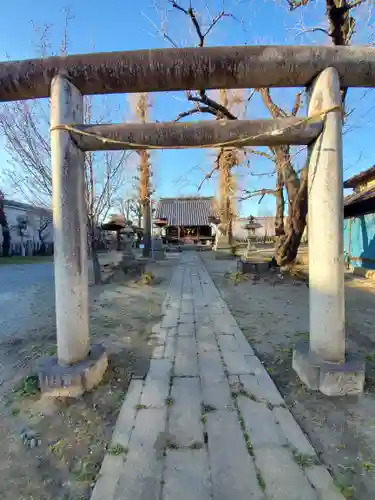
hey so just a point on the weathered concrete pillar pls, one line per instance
(147, 227)
(323, 363)
(70, 226)
(77, 368)
(325, 224)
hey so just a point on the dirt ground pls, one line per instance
(52, 449)
(273, 314)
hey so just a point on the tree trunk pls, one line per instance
(230, 221)
(288, 244)
(22, 247)
(144, 196)
(127, 210)
(146, 228)
(6, 241)
(341, 29)
(289, 235)
(96, 264)
(42, 249)
(280, 207)
(94, 254)
(5, 228)
(226, 160)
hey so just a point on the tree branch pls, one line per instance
(357, 3)
(260, 192)
(260, 153)
(217, 109)
(262, 174)
(221, 111)
(294, 4)
(162, 32)
(192, 14)
(213, 170)
(274, 109)
(342, 24)
(297, 104)
(199, 109)
(313, 30)
(216, 20)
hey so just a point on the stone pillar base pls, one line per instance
(71, 381)
(222, 248)
(132, 266)
(127, 253)
(331, 379)
(249, 266)
(173, 248)
(221, 242)
(159, 254)
(250, 255)
(223, 253)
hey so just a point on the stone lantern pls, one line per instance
(250, 261)
(251, 225)
(128, 236)
(129, 263)
(116, 224)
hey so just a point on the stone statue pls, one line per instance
(129, 264)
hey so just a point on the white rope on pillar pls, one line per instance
(325, 224)
(70, 226)
(323, 363)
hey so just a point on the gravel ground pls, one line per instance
(273, 315)
(53, 448)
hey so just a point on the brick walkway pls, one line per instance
(208, 423)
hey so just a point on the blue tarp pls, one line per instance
(359, 240)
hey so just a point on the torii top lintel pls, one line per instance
(189, 68)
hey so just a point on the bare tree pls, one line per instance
(290, 181)
(341, 23)
(25, 127)
(26, 130)
(4, 227)
(341, 30)
(104, 175)
(226, 160)
(22, 227)
(288, 233)
(131, 209)
(141, 105)
(44, 222)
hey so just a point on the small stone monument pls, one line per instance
(221, 245)
(129, 264)
(127, 243)
(117, 223)
(158, 249)
(250, 261)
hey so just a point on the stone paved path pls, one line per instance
(208, 422)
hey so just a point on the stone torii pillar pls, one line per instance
(77, 367)
(323, 363)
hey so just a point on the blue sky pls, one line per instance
(124, 25)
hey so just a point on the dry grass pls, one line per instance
(72, 436)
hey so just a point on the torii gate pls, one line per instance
(323, 362)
